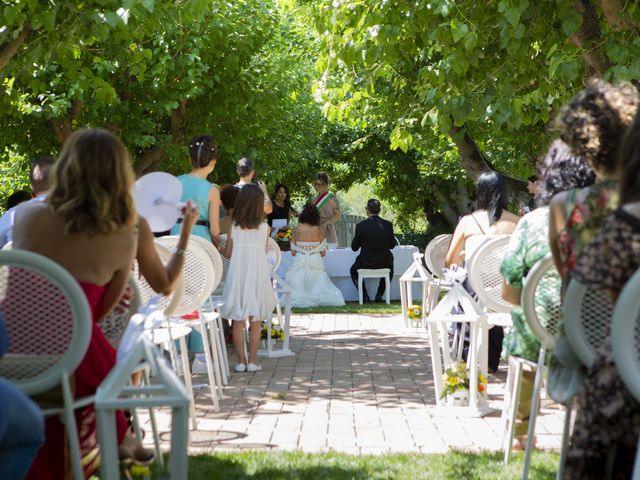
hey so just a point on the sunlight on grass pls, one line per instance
(337, 466)
(355, 308)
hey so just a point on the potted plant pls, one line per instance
(457, 384)
(277, 334)
(414, 312)
(283, 237)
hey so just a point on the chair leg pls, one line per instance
(215, 356)
(72, 428)
(187, 381)
(565, 440)
(513, 411)
(216, 338)
(202, 329)
(535, 401)
(223, 348)
(360, 280)
(387, 283)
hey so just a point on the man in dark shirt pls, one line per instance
(374, 237)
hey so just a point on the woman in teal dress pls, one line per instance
(527, 245)
(196, 187)
(206, 195)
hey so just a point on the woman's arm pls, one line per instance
(321, 237)
(511, 294)
(162, 278)
(228, 248)
(557, 223)
(214, 214)
(454, 255)
(336, 212)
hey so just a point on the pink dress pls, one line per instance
(53, 461)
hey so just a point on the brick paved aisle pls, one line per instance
(357, 384)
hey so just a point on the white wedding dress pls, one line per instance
(310, 284)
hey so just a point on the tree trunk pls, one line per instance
(9, 49)
(150, 160)
(63, 126)
(588, 35)
(612, 10)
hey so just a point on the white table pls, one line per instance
(338, 262)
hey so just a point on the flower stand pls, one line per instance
(280, 287)
(437, 324)
(285, 246)
(416, 273)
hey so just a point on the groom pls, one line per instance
(374, 236)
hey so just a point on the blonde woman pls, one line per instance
(87, 225)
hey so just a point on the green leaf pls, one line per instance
(149, 5)
(570, 24)
(458, 30)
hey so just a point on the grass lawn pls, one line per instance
(337, 466)
(355, 308)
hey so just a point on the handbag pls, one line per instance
(565, 372)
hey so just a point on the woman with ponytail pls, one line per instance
(196, 187)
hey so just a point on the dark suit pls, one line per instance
(374, 237)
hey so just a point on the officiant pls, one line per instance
(374, 237)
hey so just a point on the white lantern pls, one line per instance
(414, 314)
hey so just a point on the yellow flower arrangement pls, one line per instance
(457, 378)
(276, 333)
(283, 235)
(414, 312)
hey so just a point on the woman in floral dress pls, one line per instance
(592, 124)
(527, 245)
(608, 415)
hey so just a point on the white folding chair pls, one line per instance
(49, 326)
(586, 315)
(115, 322)
(540, 300)
(168, 335)
(625, 342)
(211, 307)
(198, 284)
(435, 254)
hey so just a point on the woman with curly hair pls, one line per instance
(592, 124)
(528, 244)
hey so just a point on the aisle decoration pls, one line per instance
(457, 384)
(283, 237)
(416, 273)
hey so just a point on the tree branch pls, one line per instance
(612, 10)
(9, 49)
(150, 159)
(589, 35)
(63, 126)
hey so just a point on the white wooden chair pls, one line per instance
(625, 342)
(49, 325)
(435, 254)
(198, 278)
(115, 323)
(586, 315)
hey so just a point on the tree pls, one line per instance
(482, 78)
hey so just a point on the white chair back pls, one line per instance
(198, 276)
(483, 272)
(167, 303)
(114, 324)
(213, 254)
(48, 321)
(436, 252)
(273, 254)
(587, 313)
(541, 302)
(625, 336)
(8, 246)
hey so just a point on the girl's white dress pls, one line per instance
(248, 291)
(310, 284)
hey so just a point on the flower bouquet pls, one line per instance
(457, 384)
(414, 312)
(277, 334)
(283, 237)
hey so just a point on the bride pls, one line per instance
(310, 284)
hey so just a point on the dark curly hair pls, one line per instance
(593, 122)
(202, 149)
(563, 171)
(310, 215)
(630, 161)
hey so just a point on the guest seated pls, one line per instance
(528, 244)
(608, 414)
(310, 284)
(87, 224)
(282, 209)
(490, 218)
(374, 238)
(592, 124)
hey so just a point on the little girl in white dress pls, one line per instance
(248, 292)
